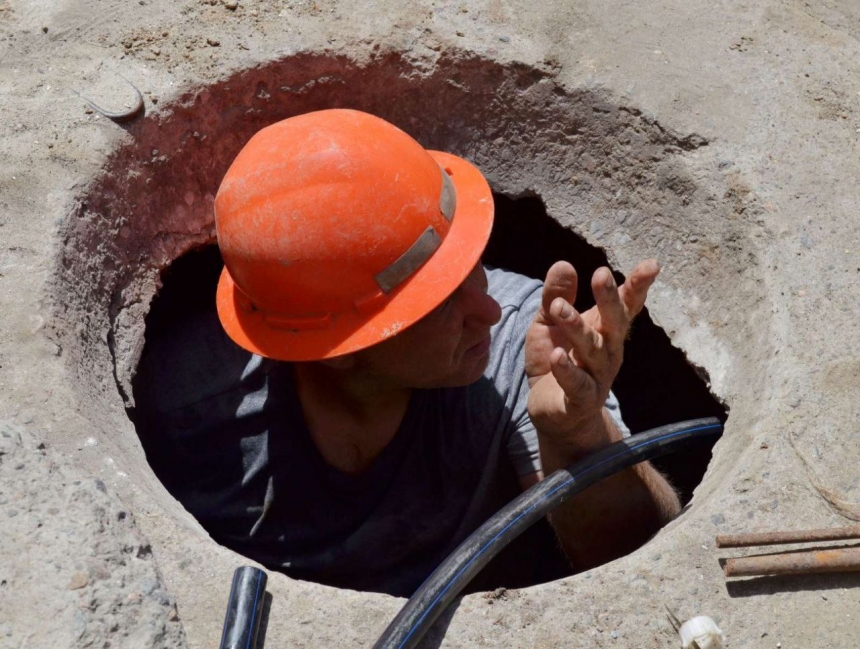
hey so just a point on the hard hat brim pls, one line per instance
(426, 289)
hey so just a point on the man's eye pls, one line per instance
(444, 306)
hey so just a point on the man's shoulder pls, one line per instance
(519, 296)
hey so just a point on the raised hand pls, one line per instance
(572, 358)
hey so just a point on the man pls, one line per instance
(388, 393)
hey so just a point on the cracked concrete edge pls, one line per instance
(125, 297)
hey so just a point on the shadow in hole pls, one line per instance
(188, 374)
(656, 385)
(194, 394)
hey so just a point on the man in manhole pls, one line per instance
(381, 393)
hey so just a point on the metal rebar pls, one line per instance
(798, 536)
(795, 563)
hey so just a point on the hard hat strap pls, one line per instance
(409, 261)
(424, 246)
(448, 198)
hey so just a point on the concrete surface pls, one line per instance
(720, 136)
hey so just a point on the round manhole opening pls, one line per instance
(566, 166)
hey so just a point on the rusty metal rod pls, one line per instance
(795, 563)
(799, 536)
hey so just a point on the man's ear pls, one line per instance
(345, 362)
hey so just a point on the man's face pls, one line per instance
(449, 347)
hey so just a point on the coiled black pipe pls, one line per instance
(449, 579)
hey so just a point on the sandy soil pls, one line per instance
(720, 136)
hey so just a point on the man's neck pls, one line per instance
(351, 415)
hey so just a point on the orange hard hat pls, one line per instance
(338, 230)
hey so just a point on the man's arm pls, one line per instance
(613, 517)
(571, 361)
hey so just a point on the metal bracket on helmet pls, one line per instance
(409, 261)
(424, 246)
(448, 198)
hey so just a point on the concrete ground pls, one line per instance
(717, 135)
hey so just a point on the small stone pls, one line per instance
(505, 39)
(79, 624)
(213, 42)
(232, 5)
(173, 615)
(161, 597)
(78, 580)
(133, 598)
(44, 30)
(614, 635)
(148, 585)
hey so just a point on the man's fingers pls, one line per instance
(614, 320)
(584, 341)
(576, 384)
(561, 282)
(635, 289)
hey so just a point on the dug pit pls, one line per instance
(603, 171)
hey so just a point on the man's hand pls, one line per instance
(572, 358)
(571, 361)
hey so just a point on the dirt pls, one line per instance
(77, 571)
(720, 137)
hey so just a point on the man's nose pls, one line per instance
(483, 310)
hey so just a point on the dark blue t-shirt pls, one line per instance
(224, 431)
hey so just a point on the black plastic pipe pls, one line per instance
(244, 609)
(449, 579)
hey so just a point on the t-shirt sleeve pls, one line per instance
(522, 443)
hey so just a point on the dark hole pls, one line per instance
(656, 384)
